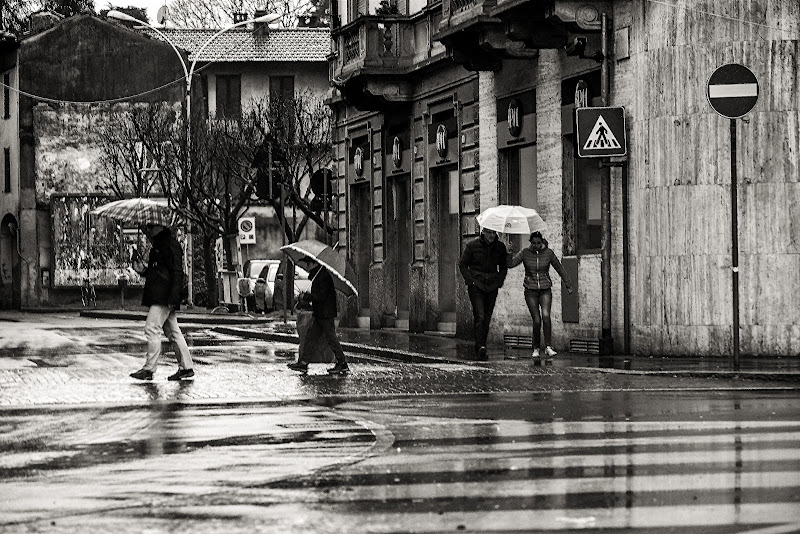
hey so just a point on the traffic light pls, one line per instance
(321, 185)
(268, 161)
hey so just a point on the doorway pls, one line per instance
(519, 183)
(361, 242)
(10, 274)
(400, 221)
(448, 243)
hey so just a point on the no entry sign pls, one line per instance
(732, 90)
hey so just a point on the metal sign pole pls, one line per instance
(732, 91)
(735, 247)
(283, 234)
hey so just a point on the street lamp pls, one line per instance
(188, 72)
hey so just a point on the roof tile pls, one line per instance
(294, 44)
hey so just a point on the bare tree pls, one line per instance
(298, 132)
(14, 14)
(209, 173)
(208, 178)
(297, 141)
(220, 13)
(131, 169)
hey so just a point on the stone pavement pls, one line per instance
(436, 348)
(398, 345)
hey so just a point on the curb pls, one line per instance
(728, 375)
(183, 318)
(390, 353)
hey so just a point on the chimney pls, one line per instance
(44, 20)
(263, 27)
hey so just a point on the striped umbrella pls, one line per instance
(335, 262)
(140, 211)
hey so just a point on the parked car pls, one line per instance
(267, 285)
(252, 269)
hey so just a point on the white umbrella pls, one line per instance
(330, 259)
(511, 220)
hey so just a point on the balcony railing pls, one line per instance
(457, 6)
(373, 44)
(457, 11)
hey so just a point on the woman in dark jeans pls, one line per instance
(537, 259)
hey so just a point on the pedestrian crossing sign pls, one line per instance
(600, 132)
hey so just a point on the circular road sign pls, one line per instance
(732, 90)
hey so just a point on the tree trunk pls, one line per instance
(211, 271)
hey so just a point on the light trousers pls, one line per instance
(162, 319)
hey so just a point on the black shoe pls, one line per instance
(340, 368)
(298, 366)
(482, 355)
(182, 374)
(142, 374)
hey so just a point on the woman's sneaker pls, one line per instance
(340, 368)
(535, 354)
(549, 352)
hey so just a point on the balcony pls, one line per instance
(371, 57)
(479, 34)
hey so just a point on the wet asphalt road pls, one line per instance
(394, 447)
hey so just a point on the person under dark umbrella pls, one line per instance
(324, 308)
(163, 292)
(483, 266)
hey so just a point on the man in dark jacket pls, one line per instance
(483, 266)
(163, 291)
(324, 308)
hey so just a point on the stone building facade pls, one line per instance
(74, 74)
(10, 259)
(446, 109)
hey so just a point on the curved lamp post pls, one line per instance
(188, 72)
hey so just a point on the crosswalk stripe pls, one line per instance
(407, 463)
(600, 442)
(507, 476)
(560, 486)
(599, 518)
(456, 428)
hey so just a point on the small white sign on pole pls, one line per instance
(219, 254)
(247, 230)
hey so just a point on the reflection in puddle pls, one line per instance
(163, 432)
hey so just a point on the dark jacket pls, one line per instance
(323, 293)
(483, 264)
(163, 282)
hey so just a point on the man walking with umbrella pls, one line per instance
(324, 308)
(483, 266)
(164, 279)
(163, 288)
(329, 271)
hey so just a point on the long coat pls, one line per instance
(163, 284)
(323, 293)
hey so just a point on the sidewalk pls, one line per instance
(435, 348)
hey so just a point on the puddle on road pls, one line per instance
(39, 441)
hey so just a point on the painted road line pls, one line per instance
(412, 463)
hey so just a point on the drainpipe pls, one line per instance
(606, 339)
